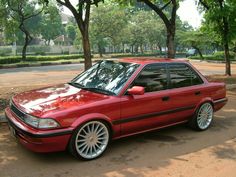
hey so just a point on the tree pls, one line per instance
(81, 13)
(220, 19)
(22, 12)
(196, 40)
(51, 24)
(71, 31)
(166, 10)
(107, 23)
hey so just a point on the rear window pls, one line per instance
(181, 75)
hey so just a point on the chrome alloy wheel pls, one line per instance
(204, 116)
(92, 139)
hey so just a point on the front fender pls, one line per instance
(89, 117)
(115, 129)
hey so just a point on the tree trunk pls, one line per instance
(169, 23)
(159, 46)
(141, 48)
(227, 60)
(199, 51)
(226, 47)
(225, 35)
(28, 39)
(170, 44)
(87, 51)
(24, 50)
(100, 50)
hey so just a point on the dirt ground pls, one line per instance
(173, 152)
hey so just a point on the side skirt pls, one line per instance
(157, 128)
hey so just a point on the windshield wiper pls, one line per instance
(77, 85)
(107, 92)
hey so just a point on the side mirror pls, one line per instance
(136, 90)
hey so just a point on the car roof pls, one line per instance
(151, 60)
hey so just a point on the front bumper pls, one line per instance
(38, 140)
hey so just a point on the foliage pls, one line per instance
(71, 31)
(220, 20)
(107, 23)
(25, 15)
(213, 19)
(51, 24)
(196, 39)
(166, 10)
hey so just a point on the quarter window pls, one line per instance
(182, 76)
(152, 78)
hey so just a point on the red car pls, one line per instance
(113, 99)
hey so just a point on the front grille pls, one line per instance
(16, 111)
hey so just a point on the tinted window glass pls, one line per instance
(182, 76)
(109, 76)
(152, 78)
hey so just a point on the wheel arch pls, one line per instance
(204, 100)
(92, 117)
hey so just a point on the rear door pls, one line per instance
(185, 91)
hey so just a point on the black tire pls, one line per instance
(195, 122)
(73, 145)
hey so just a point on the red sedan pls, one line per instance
(113, 99)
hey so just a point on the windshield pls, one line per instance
(107, 77)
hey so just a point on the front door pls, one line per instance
(143, 112)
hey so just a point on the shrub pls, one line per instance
(217, 56)
(17, 59)
(221, 55)
(6, 50)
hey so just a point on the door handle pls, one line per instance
(165, 98)
(197, 93)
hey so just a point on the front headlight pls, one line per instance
(47, 123)
(44, 123)
(33, 121)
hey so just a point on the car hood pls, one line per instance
(41, 101)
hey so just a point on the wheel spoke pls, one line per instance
(92, 129)
(82, 144)
(88, 129)
(83, 136)
(99, 130)
(95, 150)
(82, 150)
(96, 145)
(103, 133)
(81, 140)
(87, 150)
